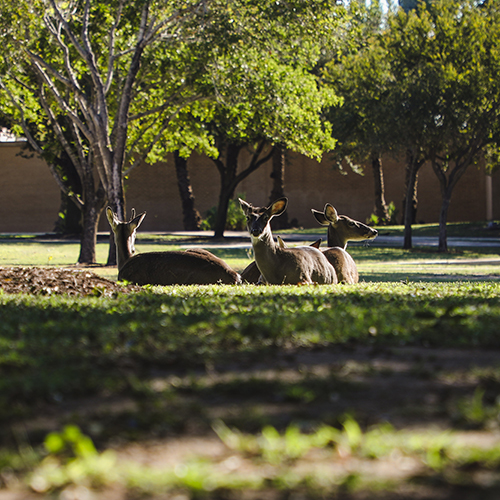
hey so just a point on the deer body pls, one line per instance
(342, 229)
(193, 267)
(251, 274)
(280, 265)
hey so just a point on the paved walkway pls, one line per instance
(241, 239)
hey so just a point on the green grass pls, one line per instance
(171, 362)
(454, 229)
(85, 341)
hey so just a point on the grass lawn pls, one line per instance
(388, 389)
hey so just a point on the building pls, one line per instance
(30, 198)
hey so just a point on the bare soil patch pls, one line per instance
(58, 281)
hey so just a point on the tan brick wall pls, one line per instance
(30, 197)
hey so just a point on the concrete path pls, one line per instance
(241, 239)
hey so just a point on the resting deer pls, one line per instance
(195, 267)
(251, 273)
(342, 229)
(283, 265)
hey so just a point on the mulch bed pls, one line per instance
(58, 281)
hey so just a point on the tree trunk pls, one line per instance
(88, 239)
(116, 200)
(191, 216)
(410, 201)
(378, 177)
(447, 184)
(69, 220)
(221, 216)
(443, 217)
(227, 171)
(230, 178)
(278, 191)
(91, 213)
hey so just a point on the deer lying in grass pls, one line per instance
(251, 273)
(193, 267)
(304, 265)
(342, 229)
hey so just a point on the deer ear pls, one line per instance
(320, 217)
(331, 214)
(244, 205)
(278, 207)
(113, 221)
(137, 221)
(281, 243)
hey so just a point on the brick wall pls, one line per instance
(30, 197)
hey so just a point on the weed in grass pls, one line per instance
(267, 459)
(474, 412)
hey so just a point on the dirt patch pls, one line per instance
(58, 281)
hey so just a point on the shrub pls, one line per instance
(236, 220)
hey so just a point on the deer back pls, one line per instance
(343, 263)
(193, 267)
(178, 268)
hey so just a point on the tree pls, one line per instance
(93, 69)
(264, 92)
(278, 189)
(445, 58)
(274, 104)
(358, 73)
(119, 73)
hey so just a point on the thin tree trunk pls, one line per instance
(447, 184)
(378, 177)
(410, 201)
(228, 184)
(278, 191)
(221, 216)
(191, 216)
(443, 217)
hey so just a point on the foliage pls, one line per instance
(445, 102)
(359, 74)
(393, 214)
(235, 221)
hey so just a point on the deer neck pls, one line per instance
(335, 239)
(265, 250)
(124, 247)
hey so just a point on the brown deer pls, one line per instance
(193, 267)
(278, 266)
(251, 273)
(342, 229)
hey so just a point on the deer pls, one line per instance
(251, 273)
(190, 267)
(342, 229)
(283, 266)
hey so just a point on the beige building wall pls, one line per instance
(308, 184)
(30, 197)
